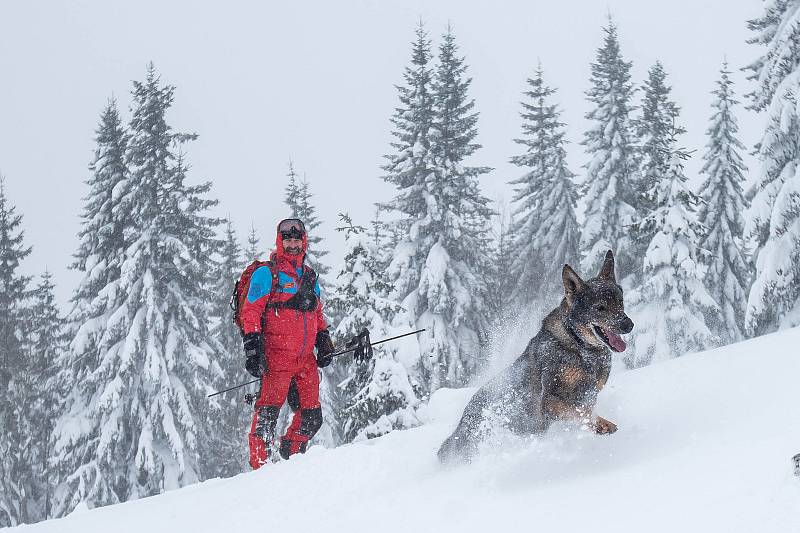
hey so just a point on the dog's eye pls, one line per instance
(600, 308)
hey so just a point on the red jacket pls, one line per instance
(289, 334)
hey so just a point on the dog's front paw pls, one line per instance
(603, 426)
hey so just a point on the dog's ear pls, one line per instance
(573, 284)
(607, 271)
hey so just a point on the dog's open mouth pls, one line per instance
(612, 340)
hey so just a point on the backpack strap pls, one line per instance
(273, 270)
(242, 286)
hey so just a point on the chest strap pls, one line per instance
(305, 299)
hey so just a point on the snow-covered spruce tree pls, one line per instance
(728, 271)
(187, 219)
(227, 271)
(307, 213)
(134, 425)
(380, 235)
(253, 250)
(292, 190)
(545, 233)
(440, 266)
(14, 506)
(298, 198)
(451, 292)
(654, 130)
(99, 258)
(498, 305)
(378, 395)
(773, 221)
(46, 340)
(670, 304)
(381, 240)
(102, 245)
(232, 416)
(409, 168)
(608, 187)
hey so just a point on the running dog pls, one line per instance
(559, 374)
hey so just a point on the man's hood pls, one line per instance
(281, 254)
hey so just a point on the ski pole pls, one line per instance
(234, 387)
(332, 355)
(354, 348)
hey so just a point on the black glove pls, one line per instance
(324, 346)
(363, 351)
(255, 362)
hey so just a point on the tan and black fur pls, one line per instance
(559, 374)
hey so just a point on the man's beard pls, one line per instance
(291, 250)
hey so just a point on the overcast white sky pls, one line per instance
(261, 82)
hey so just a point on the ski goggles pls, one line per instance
(291, 228)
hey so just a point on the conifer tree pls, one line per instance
(378, 395)
(411, 163)
(306, 213)
(227, 272)
(105, 234)
(545, 234)
(140, 407)
(298, 198)
(14, 508)
(380, 234)
(670, 305)
(292, 195)
(608, 186)
(46, 342)
(722, 215)
(409, 169)
(773, 221)
(498, 303)
(231, 416)
(440, 265)
(102, 243)
(655, 129)
(253, 250)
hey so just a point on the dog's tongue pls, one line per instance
(616, 342)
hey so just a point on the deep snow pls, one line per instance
(704, 444)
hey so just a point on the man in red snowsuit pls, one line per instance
(282, 323)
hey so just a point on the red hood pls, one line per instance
(297, 260)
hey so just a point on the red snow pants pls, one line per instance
(303, 378)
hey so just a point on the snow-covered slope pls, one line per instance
(704, 444)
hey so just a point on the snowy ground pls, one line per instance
(704, 444)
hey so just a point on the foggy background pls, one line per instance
(314, 81)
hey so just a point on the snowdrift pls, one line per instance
(705, 443)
